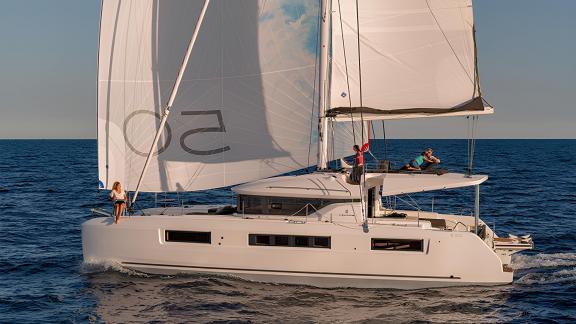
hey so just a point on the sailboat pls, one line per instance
(195, 95)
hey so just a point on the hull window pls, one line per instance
(322, 242)
(398, 245)
(188, 237)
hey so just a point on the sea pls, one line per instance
(47, 188)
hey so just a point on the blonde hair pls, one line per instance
(115, 185)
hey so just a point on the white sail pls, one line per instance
(244, 109)
(417, 59)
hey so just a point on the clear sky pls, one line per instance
(527, 55)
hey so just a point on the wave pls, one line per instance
(542, 260)
(555, 277)
(98, 266)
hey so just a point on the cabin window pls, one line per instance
(398, 245)
(286, 206)
(262, 240)
(188, 237)
(289, 240)
(301, 241)
(322, 241)
(281, 240)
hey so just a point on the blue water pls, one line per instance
(48, 187)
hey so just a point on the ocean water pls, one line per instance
(47, 188)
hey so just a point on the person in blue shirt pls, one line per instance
(424, 161)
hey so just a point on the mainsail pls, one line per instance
(416, 59)
(244, 109)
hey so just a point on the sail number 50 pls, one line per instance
(168, 131)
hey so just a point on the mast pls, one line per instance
(166, 111)
(324, 84)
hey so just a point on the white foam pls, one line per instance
(562, 276)
(523, 262)
(95, 266)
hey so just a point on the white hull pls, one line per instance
(448, 258)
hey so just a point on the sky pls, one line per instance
(526, 54)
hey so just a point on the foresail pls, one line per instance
(244, 109)
(417, 59)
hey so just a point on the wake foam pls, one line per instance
(97, 266)
(525, 262)
(539, 269)
(554, 277)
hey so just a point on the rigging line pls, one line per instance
(360, 71)
(371, 129)
(363, 180)
(472, 130)
(411, 203)
(385, 140)
(348, 88)
(471, 142)
(471, 146)
(476, 73)
(332, 140)
(314, 88)
(474, 133)
(359, 59)
(347, 74)
(472, 149)
(448, 41)
(345, 57)
(468, 137)
(467, 141)
(124, 73)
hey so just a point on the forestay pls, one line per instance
(244, 108)
(417, 59)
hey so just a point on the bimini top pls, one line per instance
(404, 183)
(333, 185)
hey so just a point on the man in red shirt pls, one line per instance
(358, 169)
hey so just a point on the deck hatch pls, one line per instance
(188, 236)
(323, 242)
(397, 245)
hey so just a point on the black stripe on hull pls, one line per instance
(286, 271)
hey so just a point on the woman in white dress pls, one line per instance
(119, 197)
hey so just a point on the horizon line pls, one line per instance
(394, 138)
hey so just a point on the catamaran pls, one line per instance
(257, 89)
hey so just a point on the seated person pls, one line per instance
(119, 197)
(424, 161)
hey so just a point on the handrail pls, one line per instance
(307, 188)
(305, 206)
